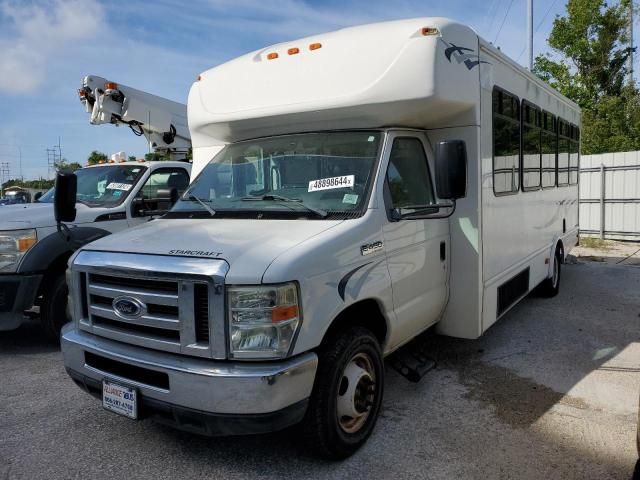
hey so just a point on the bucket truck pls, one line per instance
(161, 121)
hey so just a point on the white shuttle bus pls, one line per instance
(375, 181)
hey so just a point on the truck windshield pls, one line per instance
(103, 186)
(313, 174)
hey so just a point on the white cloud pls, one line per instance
(35, 34)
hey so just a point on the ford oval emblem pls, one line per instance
(128, 307)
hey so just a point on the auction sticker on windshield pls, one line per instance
(119, 186)
(333, 182)
(120, 399)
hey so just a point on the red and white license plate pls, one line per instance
(120, 399)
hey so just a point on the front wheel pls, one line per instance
(347, 394)
(53, 311)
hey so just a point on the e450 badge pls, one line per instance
(370, 248)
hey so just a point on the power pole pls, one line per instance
(20, 160)
(54, 157)
(4, 173)
(530, 33)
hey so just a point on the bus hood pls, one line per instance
(248, 246)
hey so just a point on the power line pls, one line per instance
(503, 20)
(493, 7)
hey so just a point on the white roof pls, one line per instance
(369, 76)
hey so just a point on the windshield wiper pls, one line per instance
(279, 198)
(193, 198)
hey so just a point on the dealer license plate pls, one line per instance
(120, 399)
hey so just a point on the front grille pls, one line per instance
(172, 314)
(201, 308)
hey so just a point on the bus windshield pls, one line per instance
(312, 173)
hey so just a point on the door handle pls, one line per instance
(443, 251)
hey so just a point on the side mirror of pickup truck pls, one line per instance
(451, 169)
(64, 201)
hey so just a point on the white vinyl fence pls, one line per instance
(610, 196)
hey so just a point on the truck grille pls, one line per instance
(174, 315)
(174, 304)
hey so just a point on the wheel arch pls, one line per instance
(367, 313)
(50, 255)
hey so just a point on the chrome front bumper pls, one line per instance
(205, 388)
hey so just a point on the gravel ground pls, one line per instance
(550, 391)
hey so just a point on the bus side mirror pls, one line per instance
(64, 201)
(37, 196)
(451, 169)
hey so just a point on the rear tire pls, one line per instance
(347, 394)
(53, 311)
(551, 286)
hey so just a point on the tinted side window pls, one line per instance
(549, 146)
(506, 142)
(574, 155)
(165, 178)
(531, 146)
(563, 153)
(408, 175)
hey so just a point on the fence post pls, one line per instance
(602, 192)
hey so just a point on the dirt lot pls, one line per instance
(550, 391)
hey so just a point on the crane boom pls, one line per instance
(163, 122)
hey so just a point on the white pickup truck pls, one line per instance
(33, 257)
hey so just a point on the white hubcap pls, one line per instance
(356, 393)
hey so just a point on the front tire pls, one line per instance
(347, 394)
(53, 311)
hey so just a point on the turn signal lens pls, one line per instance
(26, 243)
(315, 46)
(110, 86)
(272, 56)
(293, 51)
(198, 78)
(280, 314)
(82, 93)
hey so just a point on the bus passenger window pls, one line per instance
(531, 146)
(506, 143)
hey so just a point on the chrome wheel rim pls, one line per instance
(356, 393)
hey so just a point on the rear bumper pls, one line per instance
(203, 396)
(17, 294)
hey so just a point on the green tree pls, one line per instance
(97, 157)
(588, 65)
(65, 164)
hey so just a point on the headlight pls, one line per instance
(13, 245)
(262, 320)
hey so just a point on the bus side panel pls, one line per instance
(462, 317)
(520, 229)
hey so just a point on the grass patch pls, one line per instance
(597, 243)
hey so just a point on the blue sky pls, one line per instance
(160, 46)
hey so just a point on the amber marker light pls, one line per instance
(427, 31)
(110, 86)
(315, 46)
(272, 56)
(293, 51)
(280, 314)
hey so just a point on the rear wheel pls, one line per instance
(53, 310)
(551, 286)
(347, 394)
